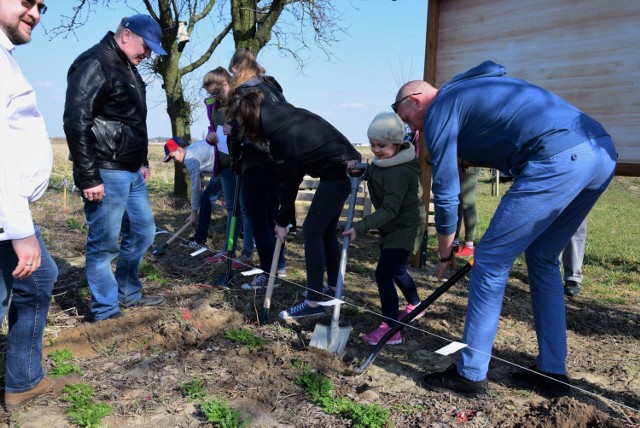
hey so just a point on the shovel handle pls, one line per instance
(414, 313)
(272, 279)
(173, 237)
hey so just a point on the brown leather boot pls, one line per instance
(47, 385)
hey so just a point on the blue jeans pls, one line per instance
(125, 208)
(260, 196)
(209, 196)
(392, 268)
(224, 183)
(544, 207)
(321, 246)
(573, 255)
(27, 316)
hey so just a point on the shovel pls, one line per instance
(413, 314)
(224, 279)
(272, 279)
(160, 249)
(334, 338)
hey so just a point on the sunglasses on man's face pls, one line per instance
(29, 4)
(394, 106)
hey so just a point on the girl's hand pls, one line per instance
(226, 129)
(281, 232)
(212, 138)
(351, 233)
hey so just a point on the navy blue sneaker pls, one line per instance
(259, 282)
(302, 310)
(326, 290)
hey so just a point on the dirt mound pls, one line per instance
(565, 413)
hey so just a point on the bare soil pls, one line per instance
(137, 363)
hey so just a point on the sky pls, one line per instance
(383, 48)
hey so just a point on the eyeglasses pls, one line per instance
(29, 4)
(394, 106)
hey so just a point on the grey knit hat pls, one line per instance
(387, 127)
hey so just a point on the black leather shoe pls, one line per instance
(149, 300)
(549, 384)
(451, 380)
(571, 288)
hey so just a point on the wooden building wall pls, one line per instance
(587, 51)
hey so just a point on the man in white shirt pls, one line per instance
(27, 271)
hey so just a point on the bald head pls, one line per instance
(413, 87)
(413, 101)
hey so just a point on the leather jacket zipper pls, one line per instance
(135, 82)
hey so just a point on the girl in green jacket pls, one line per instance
(394, 185)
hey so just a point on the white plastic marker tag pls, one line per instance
(200, 251)
(451, 348)
(252, 272)
(331, 302)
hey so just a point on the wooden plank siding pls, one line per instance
(307, 189)
(586, 51)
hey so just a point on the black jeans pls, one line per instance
(261, 197)
(321, 247)
(392, 267)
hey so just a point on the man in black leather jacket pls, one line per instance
(105, 124)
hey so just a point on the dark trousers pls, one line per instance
(261, 197)
(321, 248)
(392, 268)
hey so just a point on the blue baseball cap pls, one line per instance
(147, 28)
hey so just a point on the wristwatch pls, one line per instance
(454, 249)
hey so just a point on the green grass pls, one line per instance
(244, 337)
(611, 265)
(75, 224)
(60, 363)
(362, 415)
(151, 272)
(83, 411)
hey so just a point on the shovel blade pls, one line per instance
(332, 340)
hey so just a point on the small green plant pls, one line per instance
(220, 414)
(217, 411)
(194, 389)
(75, 224)
(85, 292)
(244, 337)
(299, 364)
(152, 273)
(83, 411)
(61, 365)
(363, 415)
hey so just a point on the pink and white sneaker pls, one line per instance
(218, 257)
(374, 337)
(409, 308)
(242, 263)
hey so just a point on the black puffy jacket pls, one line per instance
(105, 113)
